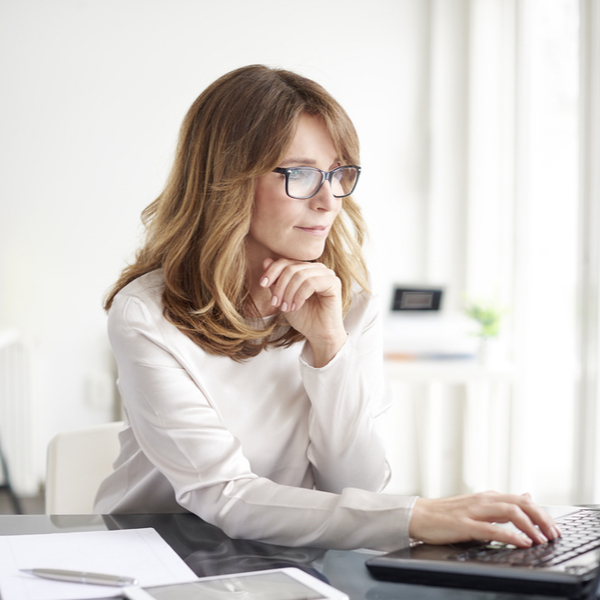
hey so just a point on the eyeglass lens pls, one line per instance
(305, 182)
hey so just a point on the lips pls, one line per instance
(317, 230)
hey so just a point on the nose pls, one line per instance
(324, 198)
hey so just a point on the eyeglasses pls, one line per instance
(304, 182)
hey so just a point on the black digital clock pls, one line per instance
(417, 299)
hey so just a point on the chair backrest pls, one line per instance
(77, 463)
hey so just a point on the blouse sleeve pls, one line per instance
(348, 398)
(183, 436)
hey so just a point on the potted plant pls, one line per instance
(489, 318)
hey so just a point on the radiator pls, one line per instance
(16, 413)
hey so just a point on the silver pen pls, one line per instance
(82, 577)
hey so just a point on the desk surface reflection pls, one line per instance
(208, 551)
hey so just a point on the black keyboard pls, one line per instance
(580, 533)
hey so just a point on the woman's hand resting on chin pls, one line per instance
(310, 295)
(477, 517)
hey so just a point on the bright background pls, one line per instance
(469, 155)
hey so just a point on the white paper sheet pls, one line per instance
(138, 553)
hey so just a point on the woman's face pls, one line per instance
(283, 227)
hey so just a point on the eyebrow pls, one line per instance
(298, 161)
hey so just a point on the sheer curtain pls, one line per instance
(587, 456)
(546, 248)
(503, 213)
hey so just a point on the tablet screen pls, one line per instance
(256, 586)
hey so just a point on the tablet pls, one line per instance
(273, 584)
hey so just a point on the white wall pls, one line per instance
(93, 93)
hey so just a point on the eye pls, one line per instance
(298, 174)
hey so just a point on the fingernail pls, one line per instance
(284, 307)
(274, 301)
(526, 540)
(293, 306)
(264, 282)
(555, 532)
(542, 539)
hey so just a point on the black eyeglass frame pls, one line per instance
(325, 176)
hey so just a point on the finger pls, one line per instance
(505, 512)
(281, 275)
(305, 284)
(301, 285)
(540, 517)
(272, 270)
(271, 275)
(536, 515)
(487, 532)
(292, 278)
(267, 263)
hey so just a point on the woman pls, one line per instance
(248, 344)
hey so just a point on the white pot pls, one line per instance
(490, 352)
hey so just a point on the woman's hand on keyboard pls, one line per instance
(477, 517)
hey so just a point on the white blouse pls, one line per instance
(270, 449)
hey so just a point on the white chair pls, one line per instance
(77, 463)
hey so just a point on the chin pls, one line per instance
(305, 256)
(309, 252)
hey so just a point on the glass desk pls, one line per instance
(208, 551)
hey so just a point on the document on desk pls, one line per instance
(138, 553)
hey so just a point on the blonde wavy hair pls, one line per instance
(239, 128)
